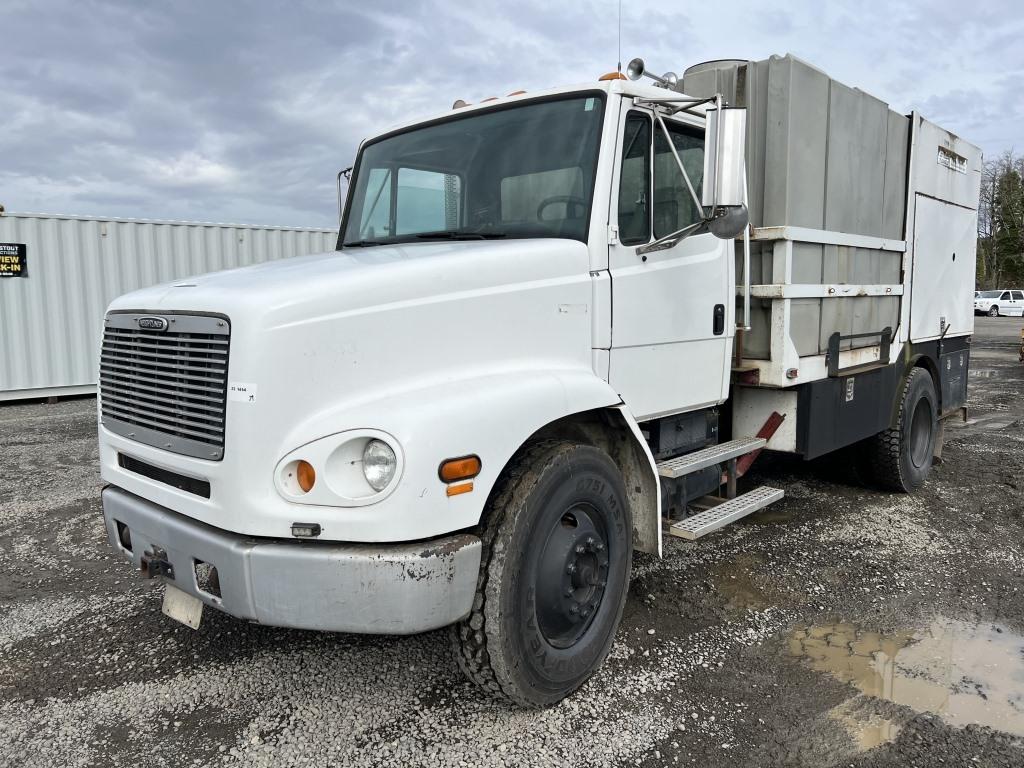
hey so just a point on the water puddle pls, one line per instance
(964, 673)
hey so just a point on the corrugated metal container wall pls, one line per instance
(824, 156)
(51, 320)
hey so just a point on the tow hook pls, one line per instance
(155, 563)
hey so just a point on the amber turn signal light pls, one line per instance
(462, 468)
(457, 490)
(305, 475)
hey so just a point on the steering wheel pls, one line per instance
(569, 200)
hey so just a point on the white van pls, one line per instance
(996, 303)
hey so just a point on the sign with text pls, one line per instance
(13, 260)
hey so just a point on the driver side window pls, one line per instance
(674, 208)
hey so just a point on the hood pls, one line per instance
(294, 289)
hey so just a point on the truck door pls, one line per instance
(672, 309)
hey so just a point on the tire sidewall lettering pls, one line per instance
(578, 481)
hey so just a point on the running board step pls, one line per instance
(707, 457)
(727, 512)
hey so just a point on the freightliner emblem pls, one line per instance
(153, 323)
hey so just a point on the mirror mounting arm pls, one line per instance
(669, 241)
(676, 103)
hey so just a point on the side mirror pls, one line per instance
(345, 173)
(724, 177)
(728, 223)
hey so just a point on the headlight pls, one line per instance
(379, 464)
(346, 469)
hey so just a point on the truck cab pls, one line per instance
(473, 410)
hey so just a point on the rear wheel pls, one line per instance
(900, 458)
(554, 575)
(993, 311)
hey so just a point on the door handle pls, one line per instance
(718, 322)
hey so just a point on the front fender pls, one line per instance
(488, 415)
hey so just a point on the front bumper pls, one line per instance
(371, 588)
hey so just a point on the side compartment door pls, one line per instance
(672, 309)
(945, 239)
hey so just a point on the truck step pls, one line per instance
(706, 457)
(727, 512)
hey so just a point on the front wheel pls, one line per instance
(900, 458)
(553, 578)
(993, 311)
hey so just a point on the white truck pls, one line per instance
(556, 326)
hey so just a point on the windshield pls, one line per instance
(522, 171)
(990, 294)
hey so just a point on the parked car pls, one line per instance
(996, 303)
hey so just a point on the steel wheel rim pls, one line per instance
(571, 575)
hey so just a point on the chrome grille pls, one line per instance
(166, 387)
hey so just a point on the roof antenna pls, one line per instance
(619, 65)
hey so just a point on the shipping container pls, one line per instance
(65, 270)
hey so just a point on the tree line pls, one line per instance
(1001, 223)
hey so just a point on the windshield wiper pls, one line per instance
(455, 234)
(445, 234)
(362, 243)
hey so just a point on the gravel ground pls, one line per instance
(841, 627)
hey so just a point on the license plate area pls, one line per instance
(183, 607)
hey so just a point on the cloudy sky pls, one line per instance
(244, 112)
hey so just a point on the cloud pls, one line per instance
(188, 169)
(245, 112)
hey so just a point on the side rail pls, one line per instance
(836, 339)
(810, 335)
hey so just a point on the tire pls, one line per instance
(993, 311)
(557, 552)
(899, 459)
